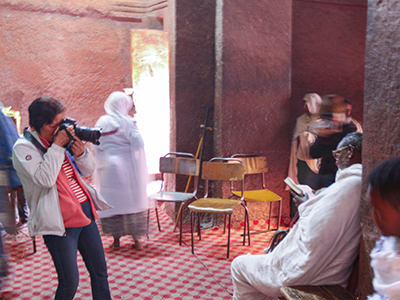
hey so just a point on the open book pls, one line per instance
(294, 187)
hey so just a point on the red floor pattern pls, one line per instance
(161, 270)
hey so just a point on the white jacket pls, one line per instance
(38, 173)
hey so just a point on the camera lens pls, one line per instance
(88, 134)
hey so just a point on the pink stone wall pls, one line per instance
(328, 51)
(77, 59)
(252, 106)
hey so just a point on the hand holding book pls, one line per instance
(294, 187)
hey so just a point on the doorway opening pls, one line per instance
(150, 82)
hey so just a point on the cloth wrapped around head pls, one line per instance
(313, 102)
(118, 103)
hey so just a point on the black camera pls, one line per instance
(84, 133)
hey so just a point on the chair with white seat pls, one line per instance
(178, 163)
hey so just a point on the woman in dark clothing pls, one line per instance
(330, 129)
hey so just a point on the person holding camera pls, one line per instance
(62, 206)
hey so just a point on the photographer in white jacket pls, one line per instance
(61, 207)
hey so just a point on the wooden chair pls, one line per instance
(257, 165)
(178, 163)
(223, 170)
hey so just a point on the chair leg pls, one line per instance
(224, 223)
(248, 226)
(198, 227)
(158, 220)
(178, 216)
(180, 228)
(244, 225)
(269, 216)
(280, 214)
(34, 244)
(148, 223)
(191, 230)
(229, 235)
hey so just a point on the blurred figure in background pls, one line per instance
(121, 173)
(332, 126)
(302, 168)
(349, 118)
(7, 174)
(12, 121)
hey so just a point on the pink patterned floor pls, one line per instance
(161, 270)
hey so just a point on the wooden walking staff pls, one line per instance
(199, 154)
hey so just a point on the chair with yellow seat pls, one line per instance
(178, 163)
(222, 170)
(257, 165)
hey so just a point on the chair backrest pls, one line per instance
(180, 163)
(254, 164)
(225, 169)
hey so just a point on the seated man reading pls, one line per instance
(323, 244)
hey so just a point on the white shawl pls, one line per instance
(385, 261)
(121, 174)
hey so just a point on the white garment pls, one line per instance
(319, 250)
(121, 174)
(385, 261)
(38, 173)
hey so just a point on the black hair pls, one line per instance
(353, 139)
(385, 178)
(347, 101)
(330, 104)
(43, 111)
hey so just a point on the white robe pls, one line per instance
(385, 261)
(121, 174)
(319, 250)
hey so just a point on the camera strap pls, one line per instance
(34, 141)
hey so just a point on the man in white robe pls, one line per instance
(321, 247)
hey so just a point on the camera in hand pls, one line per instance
(84, 133)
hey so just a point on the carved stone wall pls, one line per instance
(78, 52)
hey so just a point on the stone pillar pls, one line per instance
(381, 110)
(191, 28)
(192, 67)
(252, 103)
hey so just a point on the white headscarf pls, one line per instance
(313, 102)
(118, 105)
